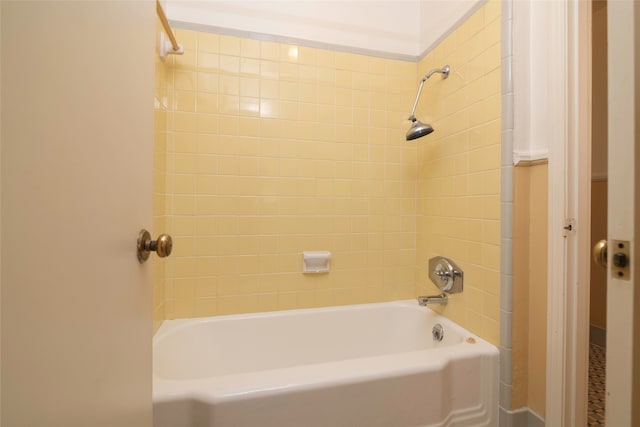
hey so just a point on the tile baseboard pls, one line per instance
(523, 417)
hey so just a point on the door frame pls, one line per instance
(569, 200)
(623, 99)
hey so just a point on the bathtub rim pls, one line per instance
(168, 326)
(216, 389)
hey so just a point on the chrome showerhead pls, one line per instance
(418, 129)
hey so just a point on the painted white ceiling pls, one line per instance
(396, 28)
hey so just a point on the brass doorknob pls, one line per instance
(600, 253)
(162, 246)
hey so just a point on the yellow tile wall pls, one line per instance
(276, 149)
(159, 180)
(458, 189)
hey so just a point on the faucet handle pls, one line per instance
(442, 277)
(443, 274)
(446, 275)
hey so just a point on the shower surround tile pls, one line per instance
(459, 169)
(275, 149)
(278, 149)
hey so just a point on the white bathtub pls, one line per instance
(361, 365)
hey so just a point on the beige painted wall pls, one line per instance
(538, 289)
(598, 277)
(529, 287)
(598, 286)
(458, 188)
(636, 267)
(599, 128)
(520, 296)
(0, 222)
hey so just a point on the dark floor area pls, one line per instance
(597, 364)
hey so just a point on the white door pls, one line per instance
(77, 129)
(624, 84)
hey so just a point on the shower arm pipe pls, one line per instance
(412, 116)
(445, 73)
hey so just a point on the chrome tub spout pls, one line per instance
(434, 299)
